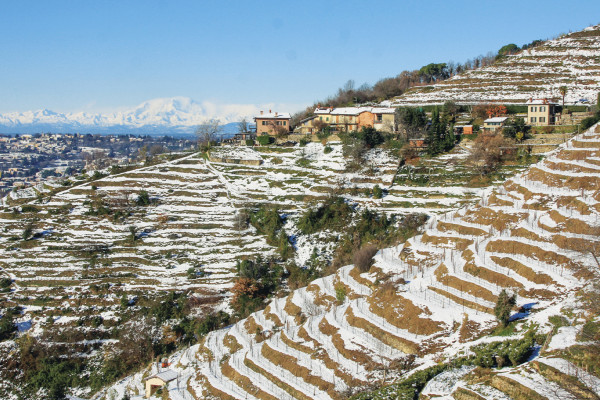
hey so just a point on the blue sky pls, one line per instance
(105, 55)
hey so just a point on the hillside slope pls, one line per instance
(432, 297)
(571, 60)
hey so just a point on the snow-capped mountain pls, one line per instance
(164, 116)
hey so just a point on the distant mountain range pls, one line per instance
(166, 116)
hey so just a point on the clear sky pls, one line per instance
(104, 55)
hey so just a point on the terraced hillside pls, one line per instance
(94, 235)
(429, 301)
(571, 60)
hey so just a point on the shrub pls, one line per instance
(377, 192)
(334, 214)
(257, 280)
(249, 142)
(588, 122)
(363, 258)
(191, 273)
(212, 322)
(28, 208)
(340, 293)
(265, 140)
(27, 231)
(267, 221)
(304, 142)
(5, 283)
(143, 198)
(303, 162)
(327, 149)
(7, 326)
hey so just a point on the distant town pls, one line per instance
(27, 160)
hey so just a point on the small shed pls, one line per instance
(463, 130)
(159, 380)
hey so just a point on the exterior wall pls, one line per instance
(540, 114)
(306, 128)
(366, 119)
(263, 125)
(490, 127)
(387, 123)
(153, 382)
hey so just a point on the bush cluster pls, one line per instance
(257, 280)
(265, 140)
(334, 214)
(268, 222)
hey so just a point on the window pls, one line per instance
(264, 123)
(533, 109)
(542, 119)
(533, 119)
(327, 119)
(321, 118)
(284, 123)
(379, 117)
(542, 109)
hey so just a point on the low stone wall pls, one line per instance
(235, 161)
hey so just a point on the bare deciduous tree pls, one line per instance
(207, 132)
(278, 130)
(243, 125)
(489, 151)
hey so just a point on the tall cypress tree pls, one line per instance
(433, 138)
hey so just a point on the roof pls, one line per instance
(495, 119)
(354, 110)
(308, 119)
(540, 101)
(167, 375)
(273, 115)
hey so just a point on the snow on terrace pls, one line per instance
(538, 72)
(190, 227)
(283, 179)
(353, 336)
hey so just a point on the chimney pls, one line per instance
(276, 113)
(261, 112)
(269, 111)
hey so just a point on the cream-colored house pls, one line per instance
(306, 127)
(355, 118)
(493, 124)
(541, 112)
(159, 380)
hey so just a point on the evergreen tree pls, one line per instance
(433, 139)
(7, 326)
(504, 306)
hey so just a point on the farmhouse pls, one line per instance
(541, 112)
(355, 118)
(159, 380)
(272, 123)
(493, 124)
(305, 127)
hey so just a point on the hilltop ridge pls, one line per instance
(570, 60)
